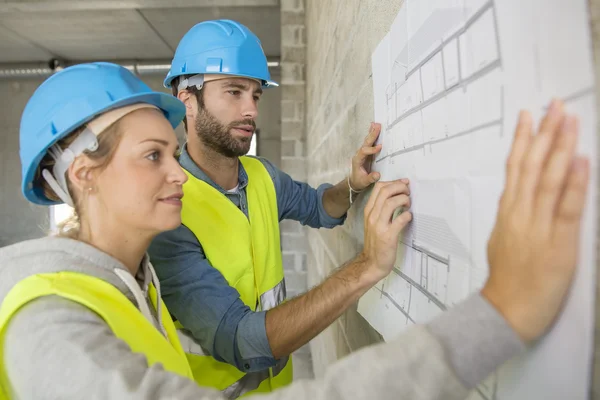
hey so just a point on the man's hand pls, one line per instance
(533, 248)
(381, 231)
(361, 177)
(294, 323)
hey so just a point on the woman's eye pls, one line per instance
(153, 156)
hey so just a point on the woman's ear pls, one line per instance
(81, 174)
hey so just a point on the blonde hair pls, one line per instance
(108, 141)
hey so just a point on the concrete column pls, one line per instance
(293, 158)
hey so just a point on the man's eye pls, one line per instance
(234, 92)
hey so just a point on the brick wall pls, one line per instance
(341, 36)
(293, 157)
(293, 160)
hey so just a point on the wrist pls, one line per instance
(367, 272)
(352, 187)
(514, 314)
(352, 191)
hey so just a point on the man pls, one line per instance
(221, 271)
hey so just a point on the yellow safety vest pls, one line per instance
(125, 320)
(248, 254)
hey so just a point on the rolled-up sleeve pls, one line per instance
(200, 297)
(299, 201)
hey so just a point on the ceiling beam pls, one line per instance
(7, 6)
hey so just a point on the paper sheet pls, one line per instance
(449, 79)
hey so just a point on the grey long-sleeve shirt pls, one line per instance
(56, 349)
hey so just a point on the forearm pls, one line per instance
(294, 323)
(445, 359)
(336, 200)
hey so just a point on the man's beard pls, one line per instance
(217, 136)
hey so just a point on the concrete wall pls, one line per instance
(341, 36)
(293, 43)
(19, 219)
(293, 90)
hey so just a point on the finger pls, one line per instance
(373, 134)
(374, 194)
(571, 204)
(396, 188)
(400, 222)
(391, 205)
(369, 151)
(374, 177)
(555, 173)
(536, 156)
(521, 140)
(363, 153)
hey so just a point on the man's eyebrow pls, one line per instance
(236, 85)
(240, 86)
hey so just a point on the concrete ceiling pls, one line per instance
(74, 30)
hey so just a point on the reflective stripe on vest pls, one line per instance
(247, 251)
(120, 314)
(272, 298)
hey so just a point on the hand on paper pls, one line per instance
(361, 177)
(533, 248)
(382, 232)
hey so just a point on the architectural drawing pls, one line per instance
(449, 79)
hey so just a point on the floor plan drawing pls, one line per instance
(449, 79)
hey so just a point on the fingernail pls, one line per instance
(372, 125)
(404, 180)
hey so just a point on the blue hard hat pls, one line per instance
(223, 47)
(73, 97)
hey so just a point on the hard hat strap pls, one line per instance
(195, 80)
(57, 180)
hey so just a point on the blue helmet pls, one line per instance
(72, 97)
(223, 47)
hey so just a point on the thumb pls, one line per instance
(374, 176)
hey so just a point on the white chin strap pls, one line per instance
(87, 140)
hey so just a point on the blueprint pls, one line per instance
(449, 79)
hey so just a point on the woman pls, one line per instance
(81, 316)
(94, 278)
